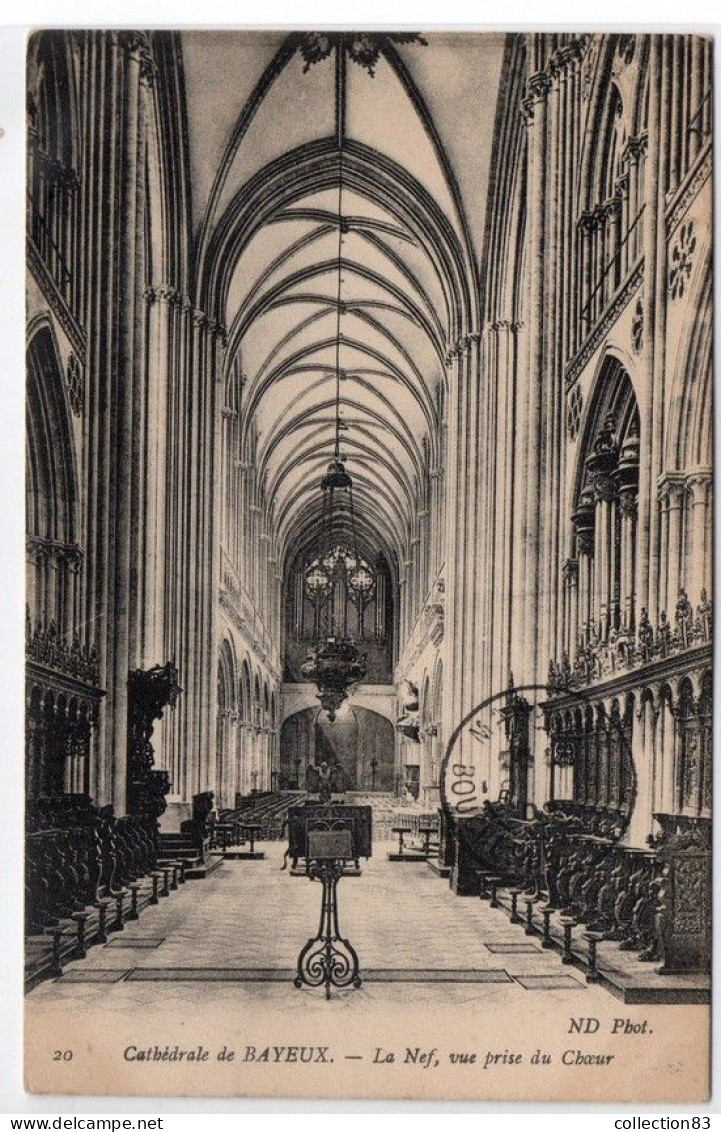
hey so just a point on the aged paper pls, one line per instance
(369, 544)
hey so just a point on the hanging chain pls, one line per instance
(338, 303)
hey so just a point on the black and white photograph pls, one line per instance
(369, 583)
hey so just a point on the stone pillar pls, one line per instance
(128, 53)
(538, 87)
(632, 155)
(675, 503)
(159, 301)
(666, 766)
(697, 566)
(644, 761)
(585, 568)
(647, 394)
(463, 655)
(604, 492)
(628, 509)
(695, 88)
(655, 285)
(663, 498)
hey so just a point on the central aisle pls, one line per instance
(239, 933)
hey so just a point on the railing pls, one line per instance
(699, 130)
(50, 252)
(246, 611)
(701, 123)
(52, 216)
(617, 267)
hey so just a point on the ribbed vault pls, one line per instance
(269, 265)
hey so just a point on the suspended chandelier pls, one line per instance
(335, 662)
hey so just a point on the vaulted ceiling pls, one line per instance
(392, 134)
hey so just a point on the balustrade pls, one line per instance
(53, 201)
(621, 652)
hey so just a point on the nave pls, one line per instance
(347, 423)
(240, 942)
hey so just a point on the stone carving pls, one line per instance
(76, 385)
(637, 328)
(684, 847)
(599, 660)
(681, 264)
(574, 411)
(46, 646)
(364, 48)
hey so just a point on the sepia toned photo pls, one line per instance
(369, 565)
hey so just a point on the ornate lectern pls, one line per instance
(329, 840)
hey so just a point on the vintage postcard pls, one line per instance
(369, 564)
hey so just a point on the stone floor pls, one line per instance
(238, 933)
(211, 968)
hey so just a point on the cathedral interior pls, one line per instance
(372, 369)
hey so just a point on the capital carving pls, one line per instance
(538, 86)
(570, 570)
(604, 488)
(164, 293)
(588, 222)
(671, 491)
(634, 149)
(628, 504)
(699, 483)
(584, 542)
(136, 45)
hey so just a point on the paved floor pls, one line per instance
(238, 933)
(211, 968)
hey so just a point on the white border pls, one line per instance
(697, 15)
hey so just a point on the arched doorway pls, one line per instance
(359, 741)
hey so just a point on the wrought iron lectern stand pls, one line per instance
(328, 959)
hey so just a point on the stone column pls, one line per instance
(655, 291)
(631, 159)
(436, 478)
(675, 503)
(604, 495)
(697, 567)
(571, 583)
(628, 508)
(583, 321)
(538, 87)
(666, 745)
(553, 394)
(128, 51)
(159, 302)
(695, 68)
(613, 222)
(460, 672)
(649, 465)
(644, 761)
(663, 500)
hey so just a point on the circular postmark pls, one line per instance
(529, 762)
